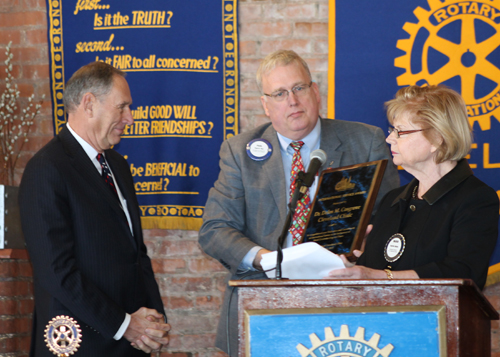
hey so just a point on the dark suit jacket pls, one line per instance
(86, 263)
(247, 206)
(451, 233)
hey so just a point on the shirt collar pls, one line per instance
(91, 152)
(311, 140)
(447, 183)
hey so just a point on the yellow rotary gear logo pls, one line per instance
(63, 336)
(457, 42)
(344, 345)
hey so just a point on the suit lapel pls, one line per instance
(330, 143)
(275, 172)
(128, 195)
(84, 166)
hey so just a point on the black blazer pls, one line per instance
(451, 233)
(86, 263)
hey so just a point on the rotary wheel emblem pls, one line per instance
(63, 336)
(457, 44)
(344, 345)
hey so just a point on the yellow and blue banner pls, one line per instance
(181, 60)
(377, 47)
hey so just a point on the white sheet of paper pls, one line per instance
(303, 261)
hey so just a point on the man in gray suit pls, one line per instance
(246, 209)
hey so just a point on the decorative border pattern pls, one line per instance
(55, 35)
(231, 67)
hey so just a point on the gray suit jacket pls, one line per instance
(247, 206)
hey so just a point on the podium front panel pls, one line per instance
(371, 331)
(454, 307)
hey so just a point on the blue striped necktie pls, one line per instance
(106, 174)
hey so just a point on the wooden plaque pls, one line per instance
(343, 205)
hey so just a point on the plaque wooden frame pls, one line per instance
(333, 194)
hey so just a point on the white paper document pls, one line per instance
(303, 261)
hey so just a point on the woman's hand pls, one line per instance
(364, 273)
(368, 230)
(347, 263)
(355, 272)
(352, 271)
(357, 253)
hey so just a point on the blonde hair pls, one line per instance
(279, 58)
(440, 109)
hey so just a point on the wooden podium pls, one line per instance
(382, 318)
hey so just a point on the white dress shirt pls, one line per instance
(311, 142)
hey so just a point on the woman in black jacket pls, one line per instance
(444, 223)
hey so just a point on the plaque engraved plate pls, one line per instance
(342, 207)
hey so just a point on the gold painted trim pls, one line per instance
(183, 223)
(231, 67)
(56, 63)
(494, 269)
(247, 328)
(493, 276)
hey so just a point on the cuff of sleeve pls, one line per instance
(247, 262)
(123, 328)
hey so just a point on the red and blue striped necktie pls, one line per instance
(106, 173)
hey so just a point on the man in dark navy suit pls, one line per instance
(82, 227)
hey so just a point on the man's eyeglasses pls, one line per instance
(403, 132)
(299, 91)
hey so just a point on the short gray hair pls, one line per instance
(279, 58)
(95, 77)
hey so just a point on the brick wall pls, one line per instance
(16, 304)
(24, 23)
(191, 283)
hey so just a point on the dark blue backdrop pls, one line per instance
(182, 67)
(381, 46)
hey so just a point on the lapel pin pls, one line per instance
(259, 149)
(63, 336)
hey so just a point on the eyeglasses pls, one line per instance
(403, 132)
(299, 91)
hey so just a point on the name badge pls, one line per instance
(259, 149)
(394, 247)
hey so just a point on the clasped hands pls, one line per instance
(147, 330)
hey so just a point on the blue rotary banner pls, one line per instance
(181, 62)
(377, 47)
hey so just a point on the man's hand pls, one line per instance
(258, 258)
(147, 330)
